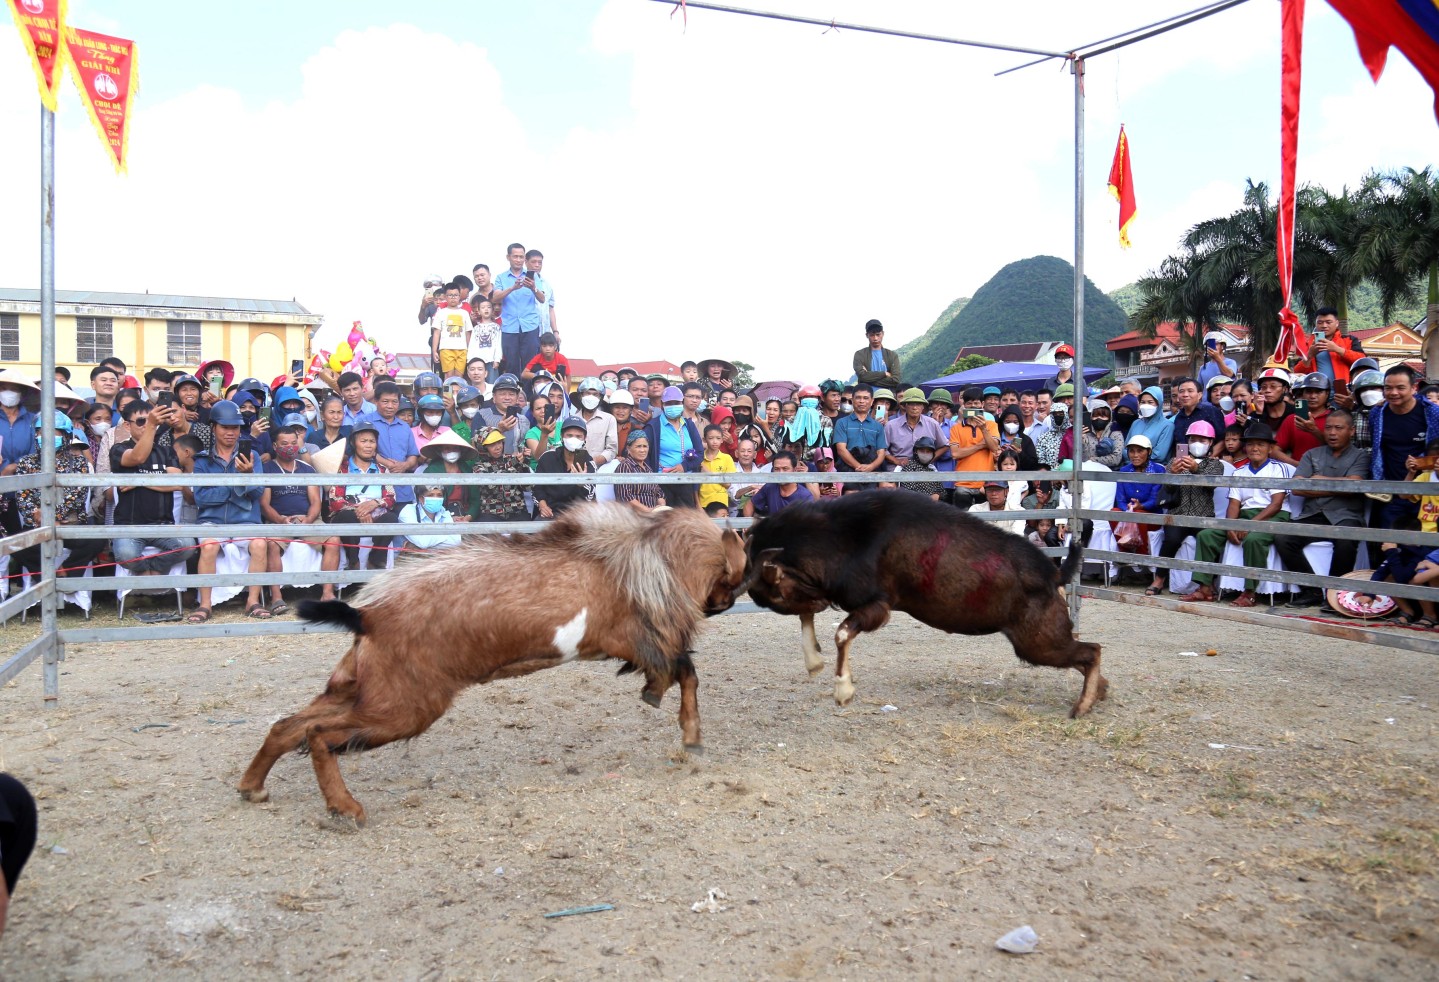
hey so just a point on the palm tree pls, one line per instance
(1171, 294)
(1402, 233)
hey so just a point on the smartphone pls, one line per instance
(216, 384)
(297, 367)
(1319, 335)
(644, 404)
(165, 398)
(550, 413)
(1211, 343)
(512, 411)
(247, 447)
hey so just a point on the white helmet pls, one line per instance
(1140, 440)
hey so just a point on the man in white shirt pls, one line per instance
(1252, 504)
(996, 498)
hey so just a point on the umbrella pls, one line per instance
(1018, 374)
(777, 389)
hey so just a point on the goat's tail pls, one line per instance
(335, 612)
(1066, 571)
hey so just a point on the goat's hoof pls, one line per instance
(651, 699)
(815, 667)
(843, 692)
(695, 749)
(1103, 689)
(254, 795)
(355, 817)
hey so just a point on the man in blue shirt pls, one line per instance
(859, 441)
(671, 436)
(1215, 363)
(517, 295)
(352, 394)
(398, 452)
(235, 504)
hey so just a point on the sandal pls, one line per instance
(1424, 624)
(1403, 620)
(1153, 591)
(279, 608)
(199, 615)
(258, 612)
(1245, 599)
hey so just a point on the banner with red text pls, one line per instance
(40, 23)
(106, 71)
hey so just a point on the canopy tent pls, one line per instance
(1019, 374)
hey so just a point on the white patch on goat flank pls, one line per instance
(569, 635)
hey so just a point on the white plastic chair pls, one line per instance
(176, 569)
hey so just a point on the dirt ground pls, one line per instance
(1268, 813)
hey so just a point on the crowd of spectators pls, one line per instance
(501, 401)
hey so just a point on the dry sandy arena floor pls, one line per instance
(1268, 813)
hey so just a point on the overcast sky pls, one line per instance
(744, 188)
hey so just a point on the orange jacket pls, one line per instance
(1345, 356)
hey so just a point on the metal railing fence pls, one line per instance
(1074, 513)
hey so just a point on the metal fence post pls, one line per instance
(49, 492)
(1081, 387)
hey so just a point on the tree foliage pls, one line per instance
(744, 375)
(968, 362)
(1376, 243)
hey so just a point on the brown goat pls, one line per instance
(601, 582)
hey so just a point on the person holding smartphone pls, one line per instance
(236, 504)
(1215, 363)
(520, 322)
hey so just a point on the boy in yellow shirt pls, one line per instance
(714, 498)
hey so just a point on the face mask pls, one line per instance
(1198, 448)
(9, 399)
(309, 415)
(1371, 398)
(433, 419)
(450, 456)
(1226, 404)
(674, 412)
(1146, 410)
(1098, 425)
(809, 403)
(879, 412)
(590, 402)
(1064, 364)
(573, 443)
(847, 407)
(923, 456)
(743, 416)
(287, 453)
(1011, 428)
(469, 412)
(1056, 415)
(434, 505)
(249, 418)
(59, 442)
(99, 429)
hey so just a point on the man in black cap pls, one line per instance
(875, 364)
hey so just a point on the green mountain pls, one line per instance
(924, 349)
(1028, 300)
(1363, 306)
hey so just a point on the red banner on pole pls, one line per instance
(107, 73)
(40, 23)
(1292, 339)
(1121, 185)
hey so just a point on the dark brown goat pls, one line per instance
(601, 582)
(871, 553)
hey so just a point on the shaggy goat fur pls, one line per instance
(602, 581)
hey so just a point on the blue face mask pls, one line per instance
(59, 442)
(674, 412)
(434, 505)
(809, 403)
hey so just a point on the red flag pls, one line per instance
(1412, 26)
(107, 73)
(1292, 338)
(1121, 185)
(40, 23)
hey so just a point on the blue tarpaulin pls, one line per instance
(1019, 374)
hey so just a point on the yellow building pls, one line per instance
(147, 330)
